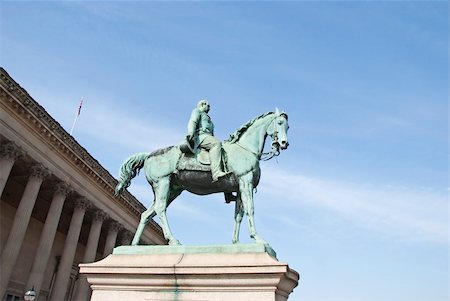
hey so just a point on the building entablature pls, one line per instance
(68, 162)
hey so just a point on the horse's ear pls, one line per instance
(277, 111)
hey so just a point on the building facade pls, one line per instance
(57, 207)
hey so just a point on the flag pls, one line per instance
(76, 116)
(79, 108)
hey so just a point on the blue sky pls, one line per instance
(358, 204)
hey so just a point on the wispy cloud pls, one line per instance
(120, 127)
(413, 214)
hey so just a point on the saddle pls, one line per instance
(196, 159)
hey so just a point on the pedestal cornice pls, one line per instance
(193, 275)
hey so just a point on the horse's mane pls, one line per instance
(238, 133)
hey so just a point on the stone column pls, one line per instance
(9, 153)
(83, 292)
(47, 237)
(20, 224)
(70, 247)
(114, 228)
(126, 237)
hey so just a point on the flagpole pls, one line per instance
(76, 116)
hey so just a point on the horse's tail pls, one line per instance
(129, 169)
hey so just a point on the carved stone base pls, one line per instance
(183, 273)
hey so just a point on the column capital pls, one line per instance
(39, 171)
(63, 189)
(114, 225)
(99, 215)
(126, 237)
(10, 150)
(82, 203)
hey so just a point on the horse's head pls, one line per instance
(273, 124)
(278, 130)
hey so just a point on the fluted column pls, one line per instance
(47, 237)
(70, 247)
(20, 224)
(9, 153)
(114, 228)
(83, 292)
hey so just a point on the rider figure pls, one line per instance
(201, 132)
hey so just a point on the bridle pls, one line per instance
(275, 150)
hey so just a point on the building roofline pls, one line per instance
(18, 99)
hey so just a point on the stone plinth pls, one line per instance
(244, 272)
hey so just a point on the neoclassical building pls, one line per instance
(57, 206)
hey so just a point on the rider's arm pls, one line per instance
(193, 121)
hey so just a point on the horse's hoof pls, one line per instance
(259, 240)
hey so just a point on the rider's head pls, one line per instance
(203, 105)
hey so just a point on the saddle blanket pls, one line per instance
(189, 162)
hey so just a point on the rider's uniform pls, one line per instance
(201, 128)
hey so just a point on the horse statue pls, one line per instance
(169, 171)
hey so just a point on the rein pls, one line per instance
(274, 152)
(270, 154)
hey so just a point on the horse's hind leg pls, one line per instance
(146, 216)
(162, 200)
(238, 214)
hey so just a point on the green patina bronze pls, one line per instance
(233, 249)
(174, 169)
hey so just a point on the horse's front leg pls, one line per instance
(246, 192)
(238, 213)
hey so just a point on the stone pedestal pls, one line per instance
(247, 272)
